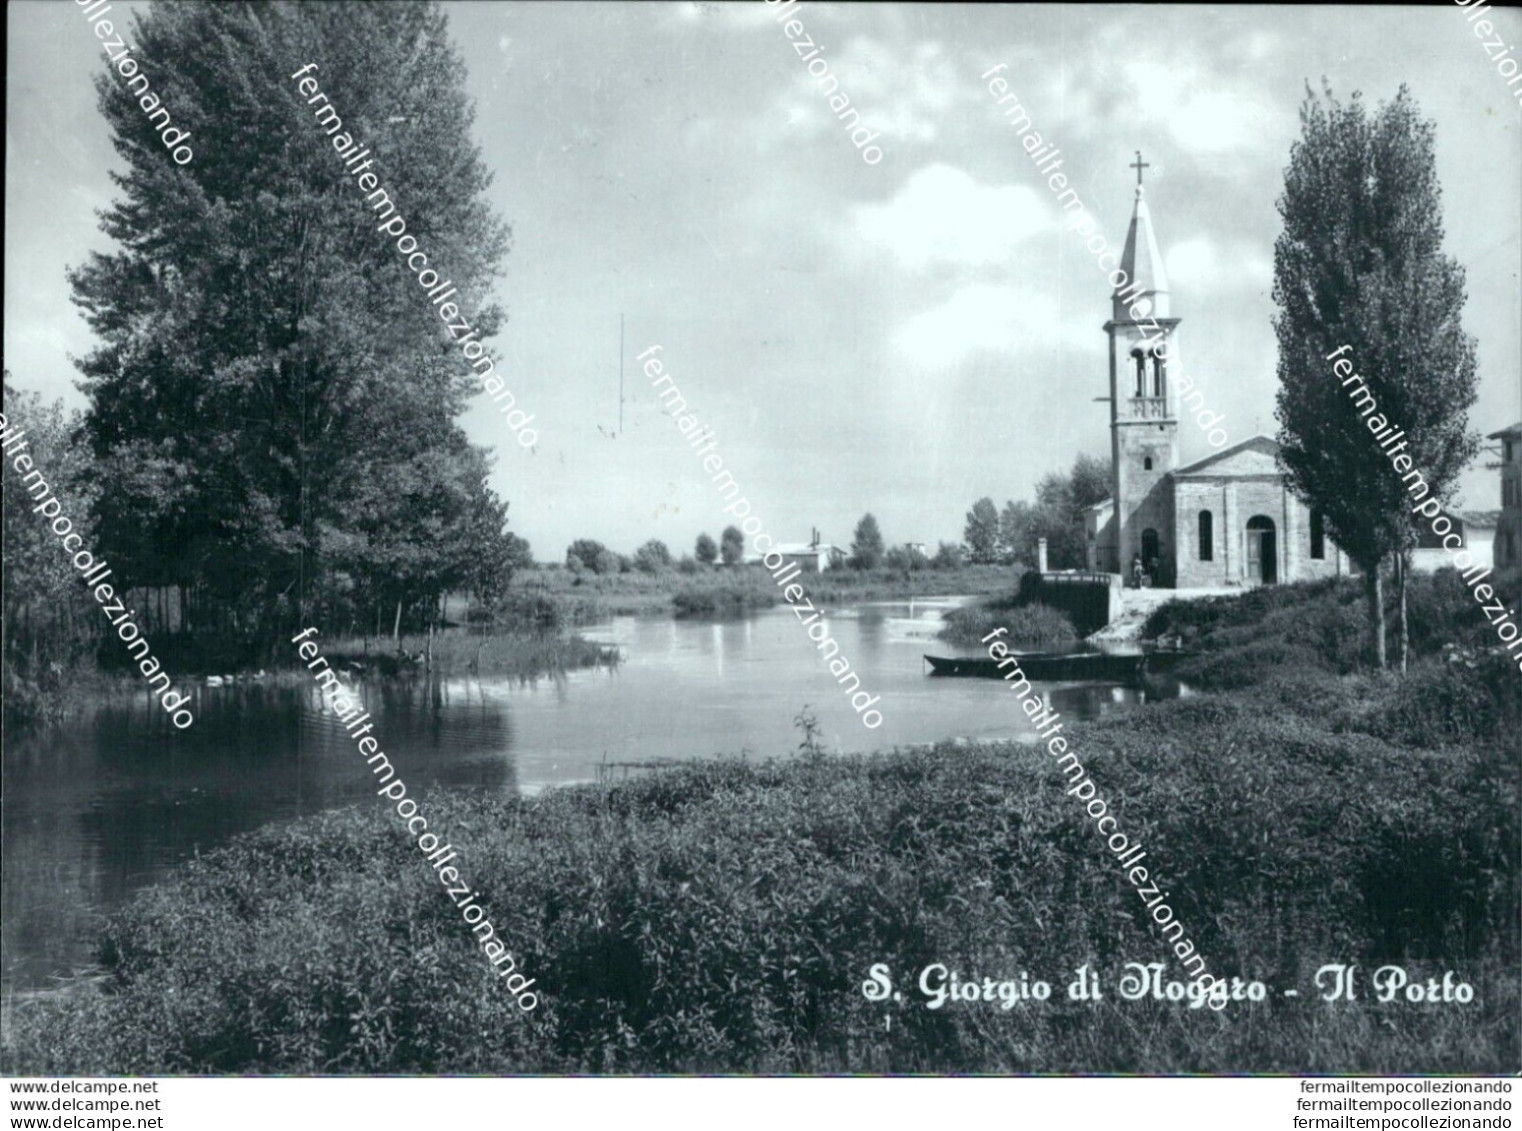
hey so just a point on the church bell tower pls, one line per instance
(1143, 408)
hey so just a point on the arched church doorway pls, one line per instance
(1151, 555)
(1262, 550)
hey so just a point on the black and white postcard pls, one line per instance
(762, 539)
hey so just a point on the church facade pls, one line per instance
(1228, 519)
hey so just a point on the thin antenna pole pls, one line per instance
(620, 373)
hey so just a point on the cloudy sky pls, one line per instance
(899, 338)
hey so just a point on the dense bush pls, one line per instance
(1471, 694)
(1326, 618)
(1027, 624)
(1441, 609)
(652, 557)
(591, 555)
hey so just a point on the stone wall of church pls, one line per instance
(1232, 502)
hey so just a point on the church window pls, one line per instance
(1159, 377)
(1141, 373)
(1318, 536)
(1207, 537)
(1147, 464)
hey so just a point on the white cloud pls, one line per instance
(942, 215)
(1191, 262)
(905, 96)
(1203, 266)
(983, 316)
(1203, 117)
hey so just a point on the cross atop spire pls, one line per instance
(1142, 261)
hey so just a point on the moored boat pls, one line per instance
(1050, 667)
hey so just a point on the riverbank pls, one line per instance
(588, 598)
(61, 695)
(727, 915)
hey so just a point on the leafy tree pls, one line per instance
(732, 545)
(423, 528)
(1359, 264)
(589, 554)
(1090, 479)
(982, 532)
(51, 623)
(1060, 502)
(652, 557)
(905, 558)
(688, 564)
(867, 544)
(947, 556)
(269, 368)
(494, 555)
(1017, 534)
(707, 550)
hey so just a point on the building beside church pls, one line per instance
(1227, 519)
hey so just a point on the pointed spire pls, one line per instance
(1143, 264)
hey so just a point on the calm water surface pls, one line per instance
(109, 804)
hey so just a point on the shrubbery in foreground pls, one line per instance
(724, 916)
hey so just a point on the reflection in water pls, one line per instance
(96, 810)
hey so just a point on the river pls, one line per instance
(111, 802)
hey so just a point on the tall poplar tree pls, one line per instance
(982, 532)
(867, 544)
(269, 363)
(1360, 264)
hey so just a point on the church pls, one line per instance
(1227, 519)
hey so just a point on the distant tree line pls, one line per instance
(868, 552)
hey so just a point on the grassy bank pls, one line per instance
(1029, 625)
(725, 916)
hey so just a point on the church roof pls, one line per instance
(1512, 433)
(1143, 264)
(1260, 444)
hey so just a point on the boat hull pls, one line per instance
(1045, 667)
